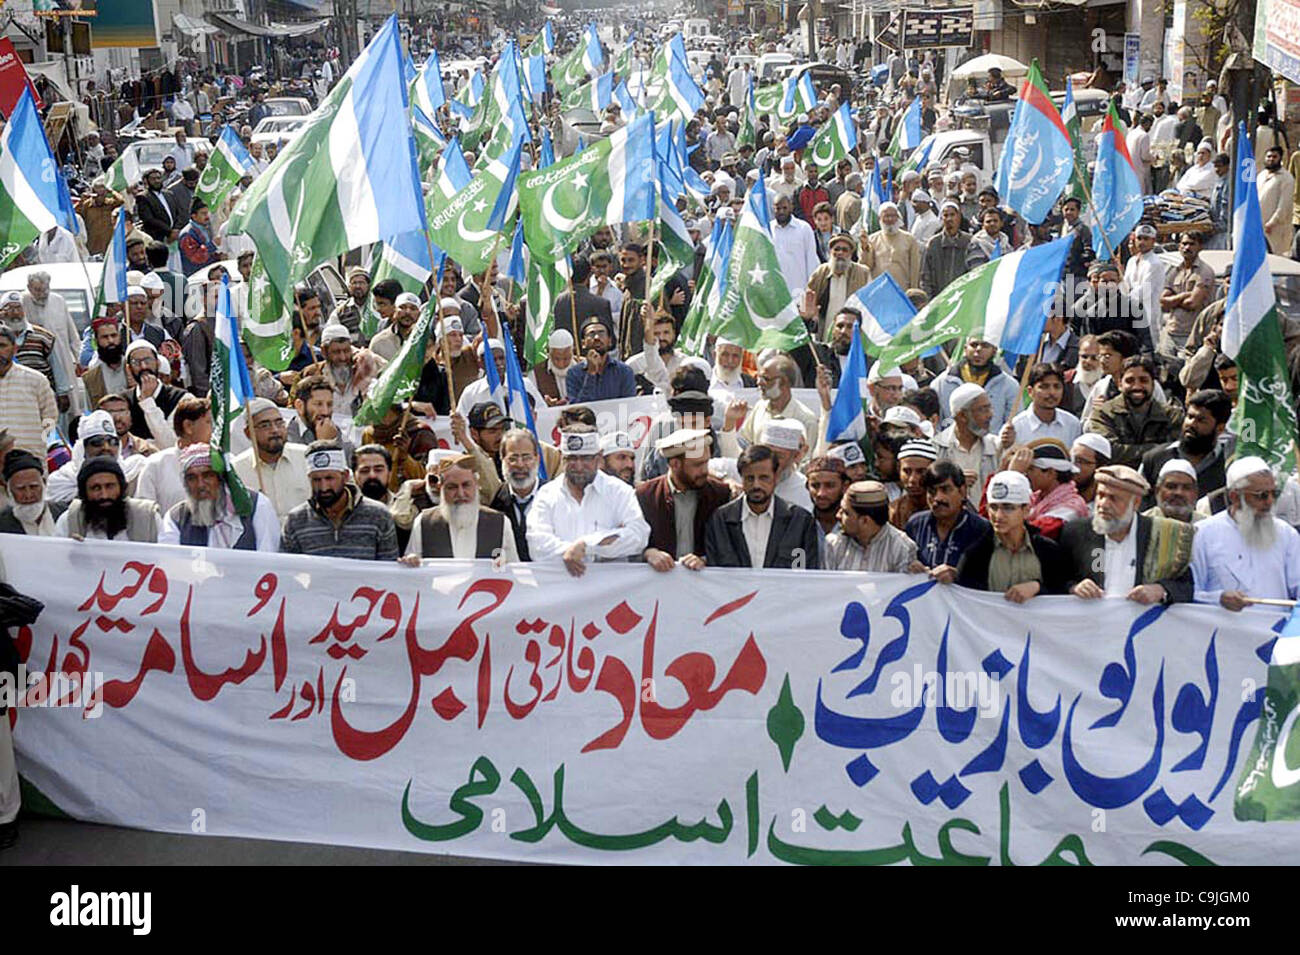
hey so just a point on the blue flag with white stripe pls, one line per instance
(681, 94)
(885, 309)
(518, 408)
(847, 420)
(535, 75)
(33, 193)
(623, 96)
(428, 93)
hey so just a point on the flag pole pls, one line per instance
(252, 436)
(442, 332)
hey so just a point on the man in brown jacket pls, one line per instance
(832, 282)
(678, 505)
(1133, 421)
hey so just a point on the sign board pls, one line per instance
(925, 29)
(720, 716)
(1277, 36)
(13, 78)
(1132, 61)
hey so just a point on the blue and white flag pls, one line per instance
(517, 406)
(34, 196)
(517, 265)
(427, 92)
(112, 283)
(535, 75)
(681, 94)
(626, 103)
(847, 420)
(885, 309)
(909, 128)
(1037, 159)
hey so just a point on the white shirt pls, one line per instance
(757, 529)
(224, 534)
(61, 487)
(286, 482)
(1222, 561)
(464, 541)
(477, 391)
(160, 480)
(1119, 563)
(793, 489)
(608, 508)
(1144, 280)
(1162, 130)
(925, 226)
(1029, 427)
(612, 294)
(796, 250)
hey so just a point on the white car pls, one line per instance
(287, 106)
(150, 153)
(278, 129)
(77, 285)
(769, 64)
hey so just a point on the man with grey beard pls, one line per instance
(1121, 553)
(458, 526)
(207, 516)
(520, 456)
(1246, 552)
(1176, 492)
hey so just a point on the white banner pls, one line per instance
(714, 717)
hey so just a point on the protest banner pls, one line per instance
(629, 716)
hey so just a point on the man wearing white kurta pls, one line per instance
(1245, 551)
(587, 514)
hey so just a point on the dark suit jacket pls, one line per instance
(803, 357)
(153, 215)
(793, 530)
(501, 501)
(11, 525)
(167, 397)
(973, 569)
(656, 500)
(1084, 548)
(585, 304)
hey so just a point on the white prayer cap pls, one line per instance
(134, 277)
(153, 282)
(1177, 466)
(922, 196)
(584, 444)
(1206, 146)
(1098, 444)
(949, 202)
(136, 291)
(1009, 487)
(11, 298)
(495, 345)
(909, 176)
(919, 448)
(257, 405)
(720, 341)
(888, 205)
(1243, 468)
(97, 424)
(334, 332)
(963, 395)
(902, 414)
(448, 304)
(331, 459)
(407, 298)
(787, 160)
(451, 323)
(140, 344)
(785, 433)
(878, 371)
(560, 338)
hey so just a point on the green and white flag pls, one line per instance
(757, 308)
(228, 163)
(1078, 188)
(462, 225)
(1264, 420)
(1269, 787)
(389, 260)
(708, 290)
(546, 282)
(622, 65)
(748, 132)
(673, 248)
(399, 379)
(124, 173)
(837, 139)
(610, 182)
(585, 59)
(231, 388)
(1004, 302)
(348, 179)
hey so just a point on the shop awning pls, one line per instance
(234, 26)
(192, 26)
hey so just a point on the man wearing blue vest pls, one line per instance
(207, 516)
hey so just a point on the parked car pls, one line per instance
(287, 106)
(278, 129)
(768, 66)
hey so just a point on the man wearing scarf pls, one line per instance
(1055, 500)
(207, 516)
(29, 512)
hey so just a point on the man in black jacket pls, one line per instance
(582, 304)
(759, 529)
(28, 512)
(1122, 553)
(155, 213)
(520, 457)
(1015, 559)
(1199, 442)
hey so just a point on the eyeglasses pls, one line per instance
(275, 424)
(1268, 495)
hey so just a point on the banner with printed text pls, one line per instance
(630, 716)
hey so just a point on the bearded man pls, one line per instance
(102, 510)
(459, 526)
(206, 517)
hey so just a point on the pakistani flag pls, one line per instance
(1269, 787)
(757, 309)
(348, 179)
(124, 173)
(907, 131)
(708, 287)
(1078, 187)
(231, 390)
(227, 164)
(546, 282)
(837, 139)
(462, 225)
(585, 59)
(1264, 420)
(500, 114)
(33, 195)
(1004, 302)
(112, 282)
(787, 99)
(401, 376)
(609, 182)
